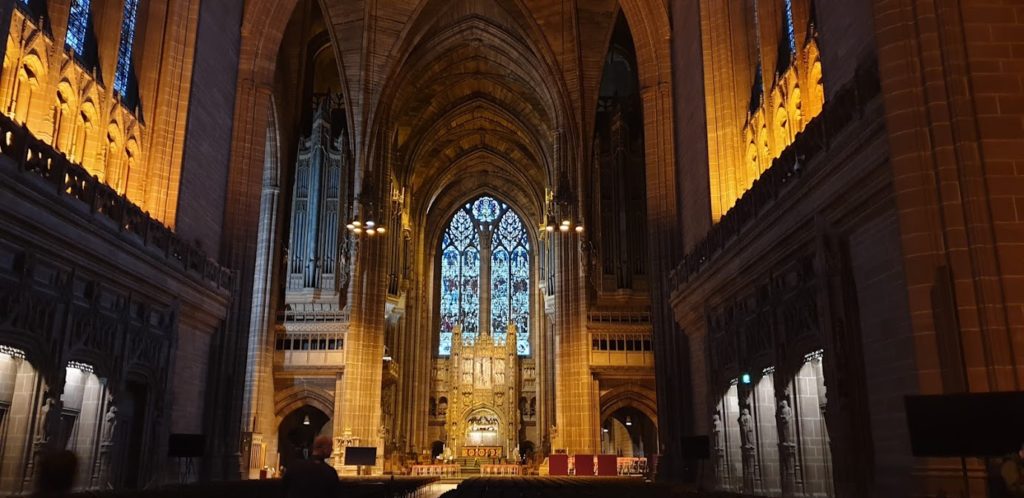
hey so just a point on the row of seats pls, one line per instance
(573, 487)
(351, 487)
(552, 487)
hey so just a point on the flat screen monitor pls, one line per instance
(359, 455)
(186, 445)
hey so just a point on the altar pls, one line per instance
(482, 410)
(482, 452)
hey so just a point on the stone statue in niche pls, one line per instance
(109, 424)
(442, 407)
(717, 441)
(785, 423)
(787, 445)
(746, 429)
(42, 426)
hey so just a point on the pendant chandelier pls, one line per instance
(367, 219)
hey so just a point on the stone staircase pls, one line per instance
(470, 466)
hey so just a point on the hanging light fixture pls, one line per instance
(305, 420)
(562, 214)
(365, 221)
(629, 421)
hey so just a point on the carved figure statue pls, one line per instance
(716, 431)
(785, 422)
(43, 424)
(109, 423)
(442, 407)
(746, 429)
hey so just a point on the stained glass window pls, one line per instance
(790, 27)
(508, 253)
(78, 22)
(124, 49)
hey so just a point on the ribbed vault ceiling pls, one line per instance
(472, 99)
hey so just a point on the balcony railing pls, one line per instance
(309, 349)
(839, 112)
(619, 317)
(618, 349)
(67, 179)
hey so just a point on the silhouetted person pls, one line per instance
(56, 474)
(312, 478)
(1012, 471)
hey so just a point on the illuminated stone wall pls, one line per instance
(763, 84)
(133, 146)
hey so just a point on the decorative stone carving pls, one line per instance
(109, 424)
(44, 422)
(746, 422)
(785, 422)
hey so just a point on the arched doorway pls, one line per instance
(296, 432)
(629, 432)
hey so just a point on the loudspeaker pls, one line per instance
(966, 425)
(697, 448)
(186, 445)
(359, 455)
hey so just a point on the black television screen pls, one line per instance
(186, 445)
(966, 425)
(358, 455)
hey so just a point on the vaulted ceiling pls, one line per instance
(457, 95)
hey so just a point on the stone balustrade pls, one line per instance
(795, 161)
(310, 349)
(621, 349)
(53, 171)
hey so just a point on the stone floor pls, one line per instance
(437, 489)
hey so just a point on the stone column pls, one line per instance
(364, 345)
(258, 416)
(574, 405)
(337, 425)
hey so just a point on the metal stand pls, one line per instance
(190, 470)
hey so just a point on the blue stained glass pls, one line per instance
(509, 278)
(511, 238)
(486, 209)
(499, 292)
(461, 231)
(520, 299)
(790, 26)
(471, 292)
(78, 22)
(449, 295)
(124, 49)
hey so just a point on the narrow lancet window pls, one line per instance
(124, 49)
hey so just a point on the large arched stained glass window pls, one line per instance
(485, 271)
